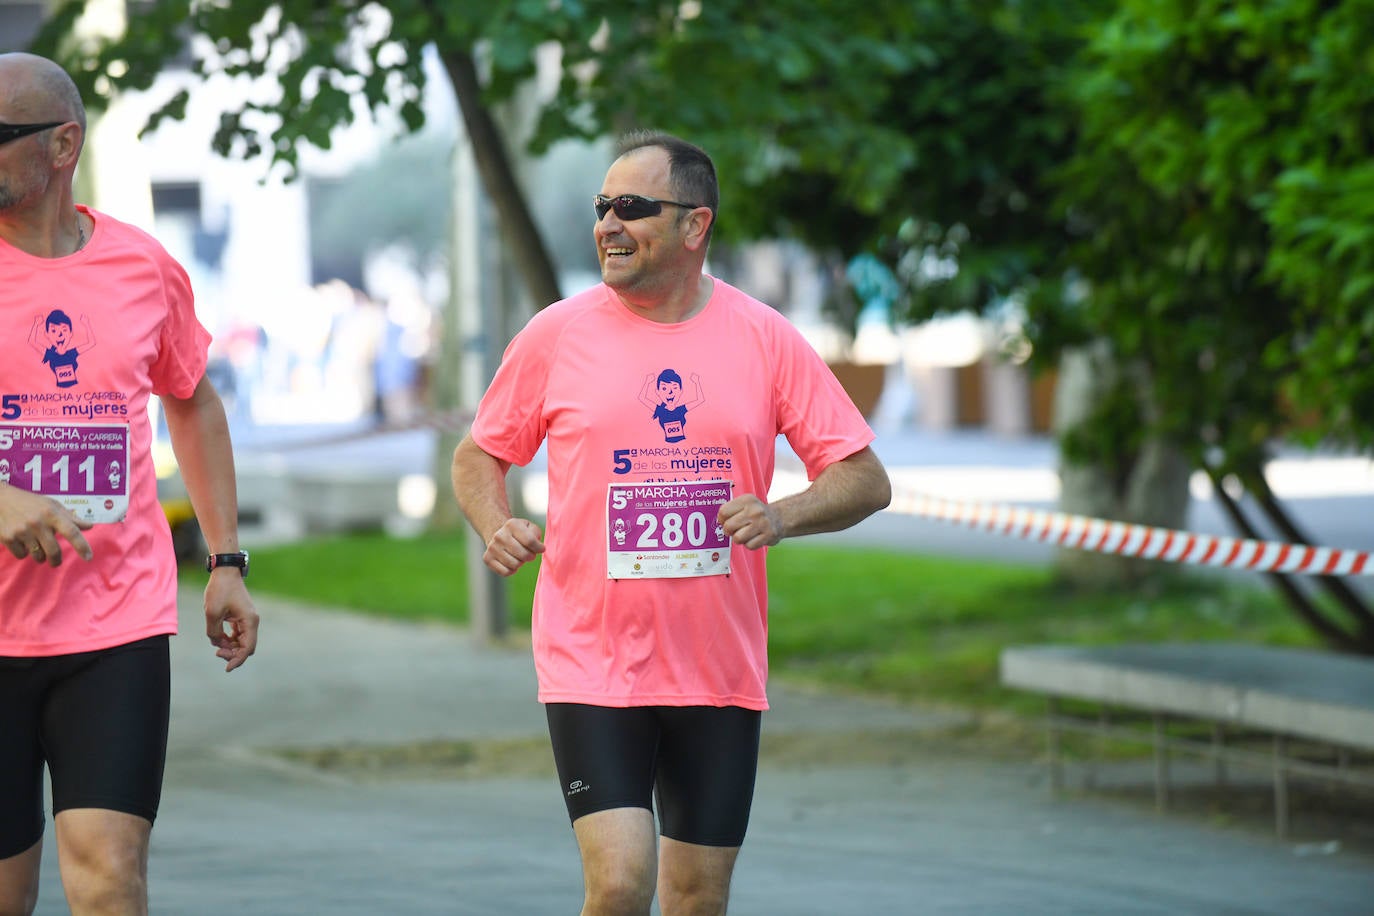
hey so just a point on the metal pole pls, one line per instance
(486, 590)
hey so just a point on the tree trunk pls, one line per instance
(1299, 602)
(1154, 491)
(1348, 599)
(519, 233)
(474, 337)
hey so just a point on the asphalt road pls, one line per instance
(359, 767)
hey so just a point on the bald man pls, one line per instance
(100, 318)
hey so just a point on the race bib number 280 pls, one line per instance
(666, 530)
(83, 466)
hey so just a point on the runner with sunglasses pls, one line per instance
(88, 599)
(650, 610)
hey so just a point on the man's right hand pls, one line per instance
(513, 545)
(31, 526)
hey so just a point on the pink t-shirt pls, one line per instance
(91, 336)
(597, 381)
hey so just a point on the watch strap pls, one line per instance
(238, 560)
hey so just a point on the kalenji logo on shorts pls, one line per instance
(576, 786)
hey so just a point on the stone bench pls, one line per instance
(1295, 697)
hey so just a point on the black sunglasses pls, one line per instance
(632, 206)
(10, 132)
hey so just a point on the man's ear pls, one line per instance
(66, 144)
(698, 225)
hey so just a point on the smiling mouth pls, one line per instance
(619, 252)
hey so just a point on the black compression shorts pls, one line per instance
(99, 722)
(699, 762)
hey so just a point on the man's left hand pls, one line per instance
(231, 619)
(751, 522)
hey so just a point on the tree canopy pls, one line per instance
(1223, 180)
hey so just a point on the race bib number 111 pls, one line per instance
(83, 466)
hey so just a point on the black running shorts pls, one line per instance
(99, 722)
(699, 762)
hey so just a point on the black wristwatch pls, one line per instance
(240, 559)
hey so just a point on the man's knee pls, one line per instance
(694, 880)
(18, 901)
(103, 858)
(703, 897)
(619, 894)
(19, 882)
(105, 883)
(619, 860)
(619, 882)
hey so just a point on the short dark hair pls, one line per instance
(691, 173)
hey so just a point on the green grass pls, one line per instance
(421, 578)
(890, 623)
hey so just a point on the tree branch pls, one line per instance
(1334, 636)
(1337, 587)
(518, 230)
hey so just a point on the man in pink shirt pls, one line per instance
(89, 599)
(650, 611)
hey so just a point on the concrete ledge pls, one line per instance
(1285, 693)
(339, 500)
(1298, 692)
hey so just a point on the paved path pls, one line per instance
(850, 828)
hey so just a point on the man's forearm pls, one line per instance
(479, 484)
(842, 495)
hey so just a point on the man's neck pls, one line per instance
(682, 304)
(44, 231)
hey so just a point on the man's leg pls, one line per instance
(707, 765)
(605, 759)
(21, 784)
(103, 856)
(694, 880)
(618, 861)
(19, 881)
(105, 727)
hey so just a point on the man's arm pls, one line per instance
(200, 439)
(479, 483)
(842, 495)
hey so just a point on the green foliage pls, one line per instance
(1223, 184)
(332, 62)
(811, 107)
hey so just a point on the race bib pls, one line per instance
(666, 530)
(85, 467)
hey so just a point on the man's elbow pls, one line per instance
(875, 486)
(879, 493)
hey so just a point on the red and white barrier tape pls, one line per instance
(1127, 540)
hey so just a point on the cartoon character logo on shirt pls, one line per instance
(54, 338)
(4, 470)
(664, 396)
(114, 473)
(620, 530)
